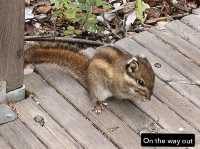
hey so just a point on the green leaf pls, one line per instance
(69, 31)
(79, 13)
(91, 24)
(60, 3)
(70, 28)
(71, 12)
(140, 9)
(77, 32)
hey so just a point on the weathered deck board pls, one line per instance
(127, 112)
(4, 144)
(196, 11)
(190, 51)
(193, 21)
(123, 136)
(130, 114)
(19, 136)
(134, 117)
(178, 103)
(155, 45)
(185, 32)
(134, 48)
(169, 55)
(169, 119)
(190, 91)
(51, 134)
(64, 113)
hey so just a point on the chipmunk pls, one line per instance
(111, 72)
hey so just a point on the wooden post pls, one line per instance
(11, 43)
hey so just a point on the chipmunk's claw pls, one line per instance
(99, 107)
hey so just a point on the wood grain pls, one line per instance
(77, 95)
(51, 133)
(11, 42)
(133, 116)
(180, 83)
(185, 32)
(19, 136)
(176, 101)
(169, 54)
(184, 47)
(155, 108)
(127, 112)
(65, 114)
(193, 21)
(4, 144)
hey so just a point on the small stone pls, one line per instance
(174, 2)
(106, 32)
(100, 19)
(37, 25)
(116, 5)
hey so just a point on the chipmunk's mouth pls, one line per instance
(144, 95)
(143, 98)
(138, 97)
(135, 95)
(146, 99)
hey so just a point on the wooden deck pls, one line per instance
(60, 116)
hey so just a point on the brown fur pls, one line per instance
(76, 62)
(105, 74)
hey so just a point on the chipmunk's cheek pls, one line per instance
(142, 98)
(132, 92)
(133, 95)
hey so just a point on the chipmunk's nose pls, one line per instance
(148, 96)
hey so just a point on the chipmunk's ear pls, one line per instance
(132, 65)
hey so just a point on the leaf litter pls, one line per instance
(100, 20)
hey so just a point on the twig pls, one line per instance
(63, 39)
(165, 18)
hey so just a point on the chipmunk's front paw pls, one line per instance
(99, 107)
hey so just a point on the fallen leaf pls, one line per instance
(130, 20)
(96, 10)
(42, 9)
(28, 13)
(153, 13)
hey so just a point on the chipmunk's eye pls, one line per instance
(140, 82)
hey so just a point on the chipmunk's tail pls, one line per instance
(75, 63)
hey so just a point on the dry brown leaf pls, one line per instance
(42, 9)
